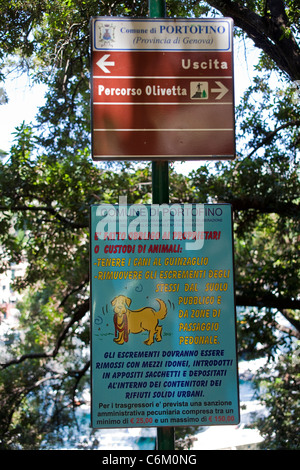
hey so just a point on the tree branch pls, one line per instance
(270, 33)
(269, 137)
(48, 209)
(268, 301)
(271, 206)
(290, 319)
(78, 314)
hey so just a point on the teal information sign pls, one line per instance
(163, 332)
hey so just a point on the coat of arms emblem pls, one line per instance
(106, 35)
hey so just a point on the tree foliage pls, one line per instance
(48, 182)
(279, 387)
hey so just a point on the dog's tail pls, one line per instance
(162, 312)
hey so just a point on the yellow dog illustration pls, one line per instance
(135, 321)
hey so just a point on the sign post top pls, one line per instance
(164, 34)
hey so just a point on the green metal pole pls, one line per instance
(160, 195)
(157, 8)
(160, 182)
(160, 168)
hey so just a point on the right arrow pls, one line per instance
(222, 90)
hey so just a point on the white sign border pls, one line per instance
(97, 22)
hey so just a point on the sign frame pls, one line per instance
(112, 356)
(161, 117)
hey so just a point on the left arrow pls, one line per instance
(103, 64)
